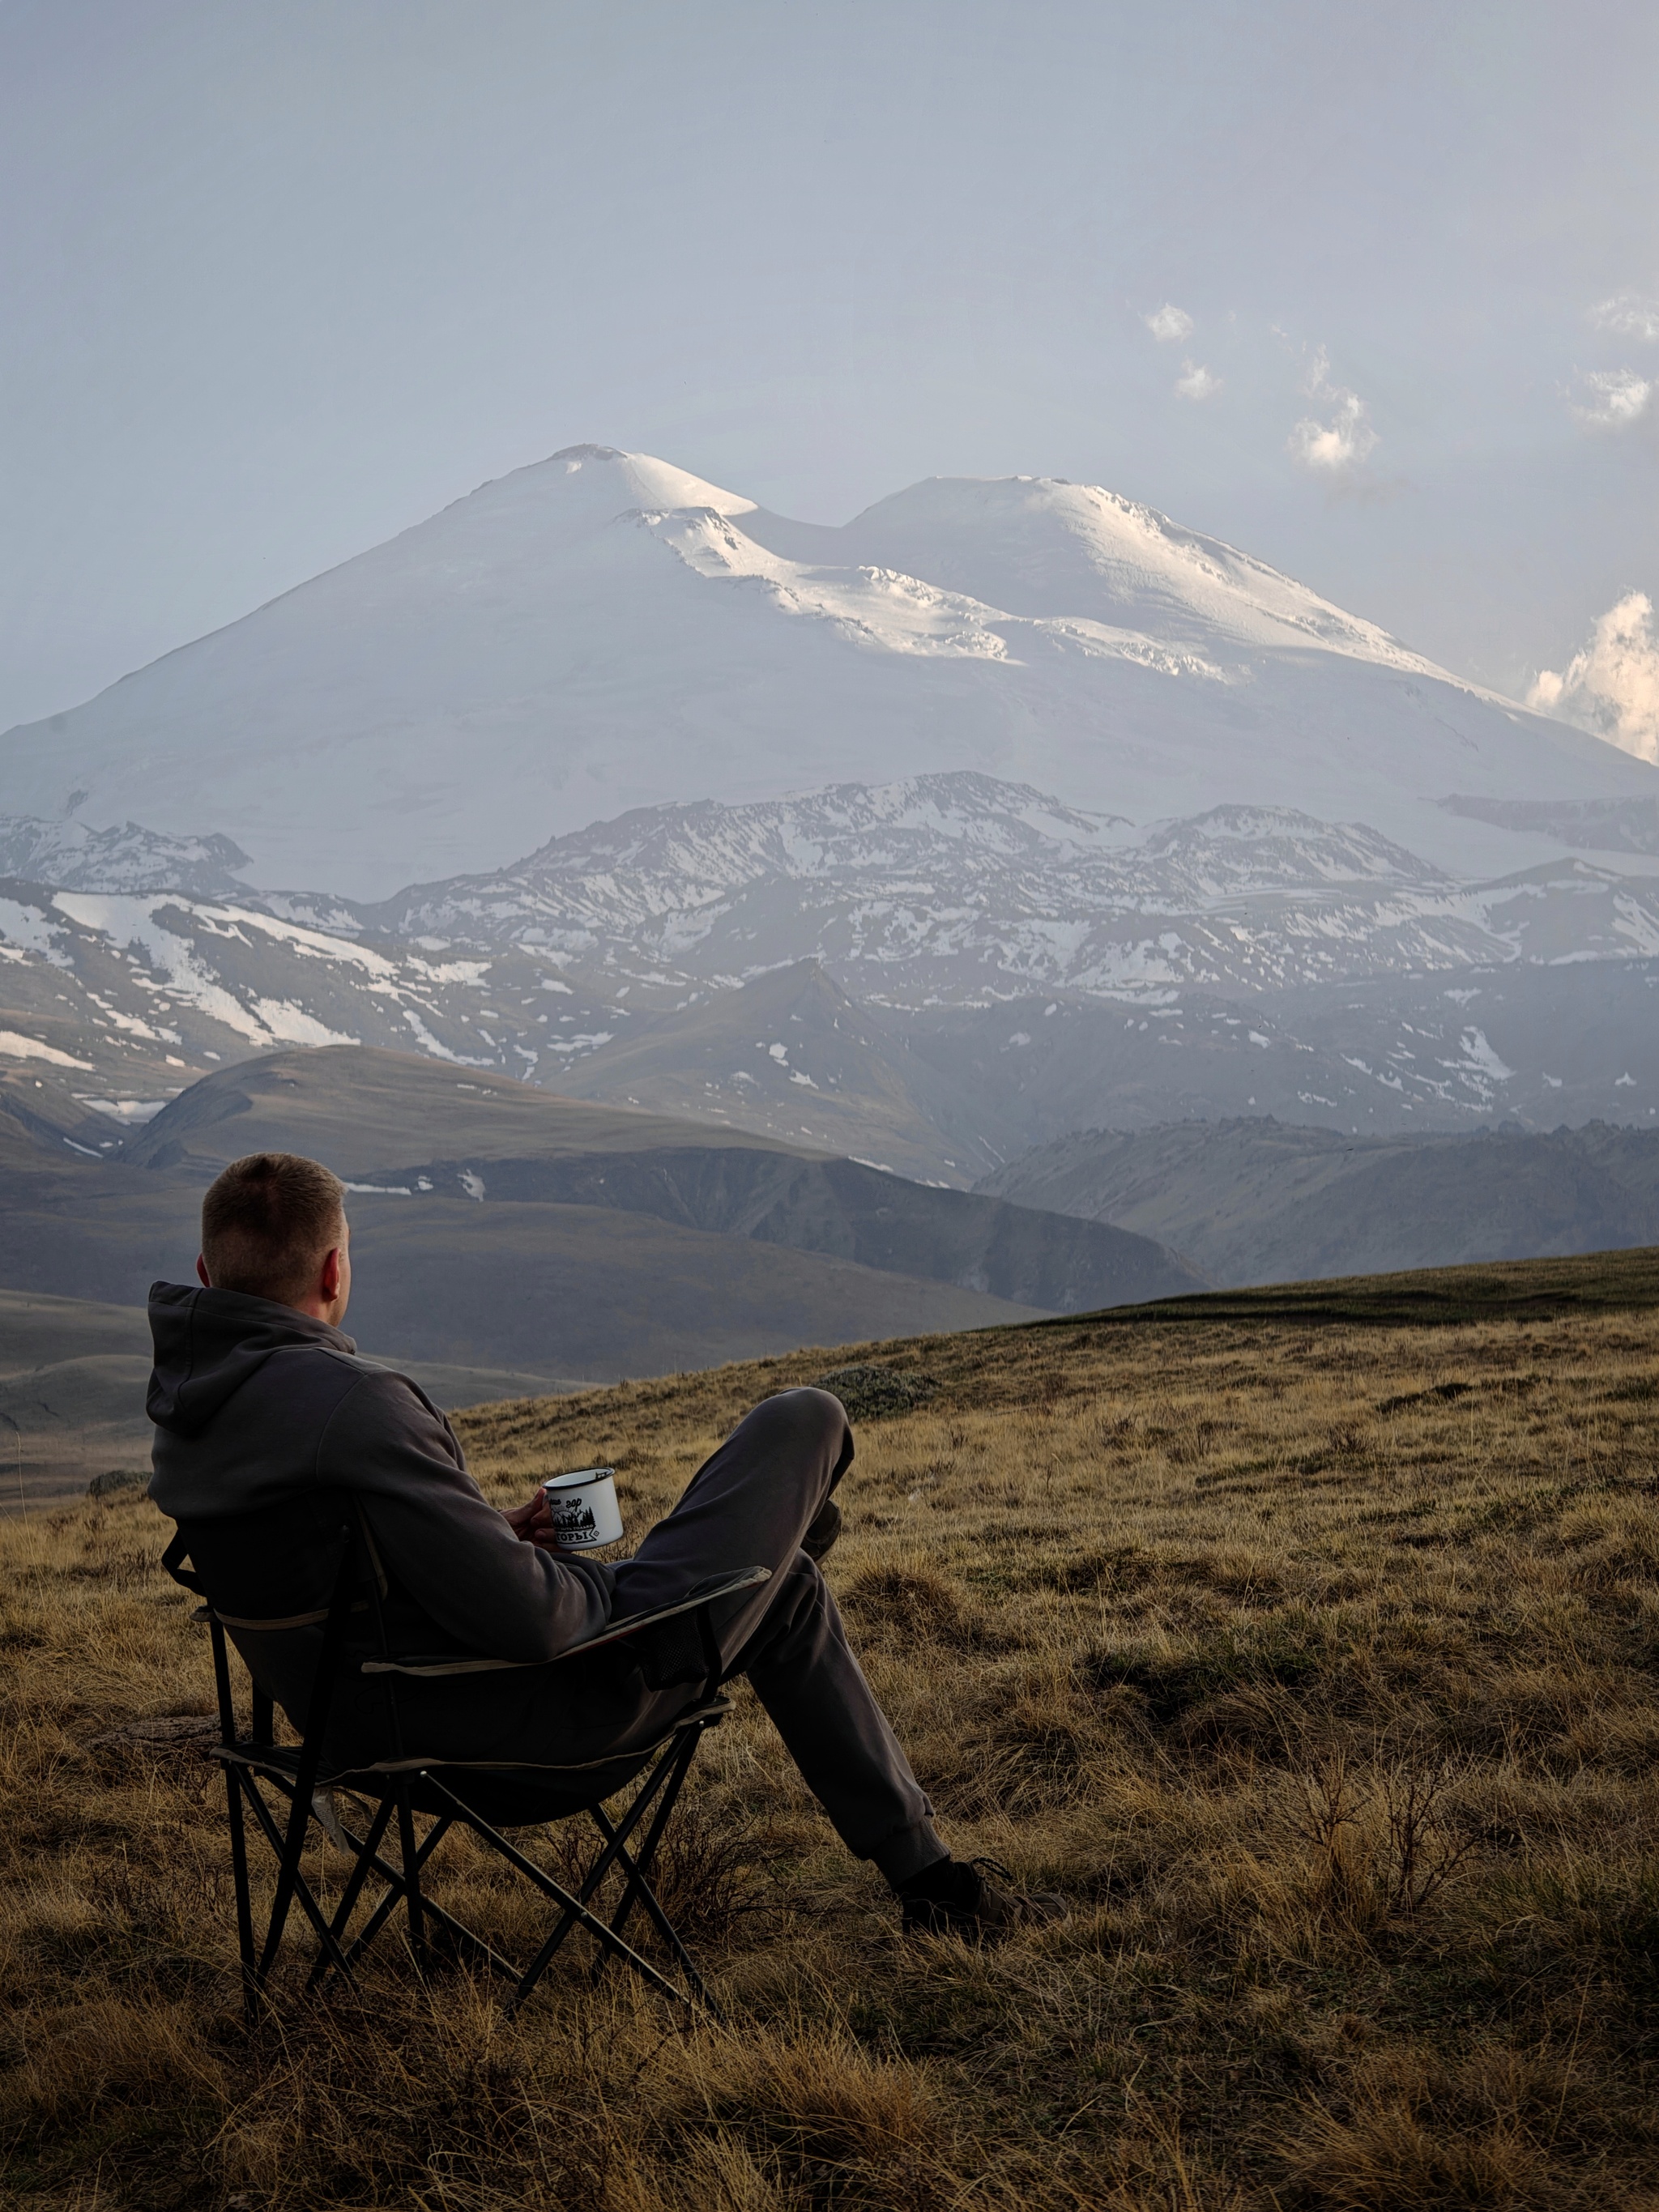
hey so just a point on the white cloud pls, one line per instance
(1168, 324)
(1345, 440)
(1618, 398)
(1630, 314)
(1612, 687)
(1195, 381)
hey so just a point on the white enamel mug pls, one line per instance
(584, 1507)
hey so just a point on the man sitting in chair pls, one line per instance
(261, 1403)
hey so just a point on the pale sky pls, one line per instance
(1370, 288)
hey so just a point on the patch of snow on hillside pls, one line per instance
(27, 929)
(434, 1047)
(129, 922)
(131, 1113)
(16, 1047)
(291, 1024)
(1479, 1054)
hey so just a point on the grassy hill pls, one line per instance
(1310, 1640)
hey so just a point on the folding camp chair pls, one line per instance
(286, 1789)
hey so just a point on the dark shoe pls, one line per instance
(962, 1899)
(826, 1527)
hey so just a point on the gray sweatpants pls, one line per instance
(749, 1505)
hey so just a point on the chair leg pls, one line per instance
(234, 1785)
(665, 1928)
(251, 1981)
(288, 1882)
(462, 1935)
(301, 1814)
(396, 1886)
(640, 1862)
(638, 1869)
(411, 1858)
(656, 1797)
(300, 1888)
(575, 1913)
(353, 1889)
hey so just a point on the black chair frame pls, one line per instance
(397, 1789)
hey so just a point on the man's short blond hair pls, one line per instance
(268, 1221)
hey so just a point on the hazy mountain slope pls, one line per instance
(468, 1272)
(69, 856)
(357, 1109)
(1601, 825)
(543, 1290)
(506, 1301)
(1541, 1045)
(554, 1290)
(840, 1208)
(602, 1294)
(791, 1056)
(1246, 962)
(73, 1374)
(136, 993)
(505, 1146)
(1257, 1201)
(72, 1379)
(600, 631)
(37, 1114)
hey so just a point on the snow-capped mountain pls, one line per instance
(138, 992)
(602, 632)
(954, 890)
(73, 858)
(1044, 550)
(1040, 959)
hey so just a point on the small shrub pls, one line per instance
(876, 1394)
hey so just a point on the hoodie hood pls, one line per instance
(209, 1343)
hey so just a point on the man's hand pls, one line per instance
(532, 1523)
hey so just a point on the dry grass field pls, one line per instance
(1309, 1639)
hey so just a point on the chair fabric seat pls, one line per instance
(506, 1797)
(508, 1800)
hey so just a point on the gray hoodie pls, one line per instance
(258, 1407)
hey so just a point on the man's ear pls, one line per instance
(202, 1275)
(329, 1284)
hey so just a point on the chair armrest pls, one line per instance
(708, 1593)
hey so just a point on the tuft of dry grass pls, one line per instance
(1314, 1651)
